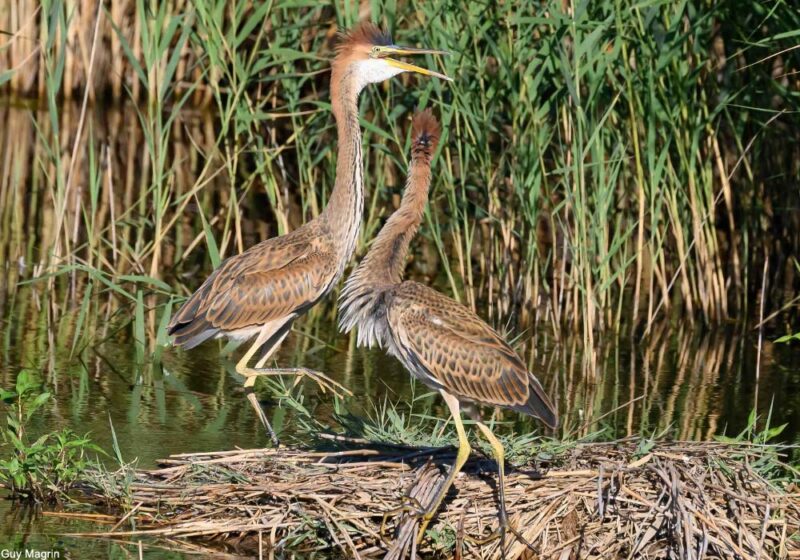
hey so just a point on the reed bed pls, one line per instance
(690, 385)
(627, 498)
(605, 165)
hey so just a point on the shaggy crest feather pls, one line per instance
(364, 34)
(368, 290)
(425, 131)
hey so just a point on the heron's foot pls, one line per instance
(424, 522)
(414, 510)
(481, 541)
(513, 530)
(500, 533)
(251, 396)
(410, 506)
(426, 514)
(324, 382)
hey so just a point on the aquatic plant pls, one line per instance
(44, 469)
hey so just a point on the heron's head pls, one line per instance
(367, 55)
(425, 134)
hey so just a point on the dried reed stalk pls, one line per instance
(678, 500)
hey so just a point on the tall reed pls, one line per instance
(605, 164)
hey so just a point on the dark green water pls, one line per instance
(685, 385)
(681, 381)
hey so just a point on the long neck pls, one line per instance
(346, 204)
(386, 258)
(360, 303)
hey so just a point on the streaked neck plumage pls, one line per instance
(362, 300)
(346, 204)
(386, 260)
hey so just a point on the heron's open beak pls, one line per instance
(387, 51)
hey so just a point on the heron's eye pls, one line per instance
(375, 52)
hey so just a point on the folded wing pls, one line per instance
(450, 347)
(263, 284)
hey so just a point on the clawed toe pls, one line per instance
(481, 541)
(519, 536)
(500, 533)
(410, 507)
(324, 382)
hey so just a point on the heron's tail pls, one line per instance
(539, 404)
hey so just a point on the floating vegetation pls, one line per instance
(628, 498)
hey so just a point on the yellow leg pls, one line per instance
(263, 336)
(250, 374)
(461, 458)
(500, 456)
(250, 378)
(325, 383)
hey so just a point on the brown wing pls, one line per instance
(450, 347)
(275, 279)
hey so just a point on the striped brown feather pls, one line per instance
(275, 279)
(448, 346)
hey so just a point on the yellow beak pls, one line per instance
(386, 51)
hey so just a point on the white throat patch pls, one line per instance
(374, 70)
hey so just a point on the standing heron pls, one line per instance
(259, 293)
(439, 341)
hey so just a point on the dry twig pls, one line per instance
(681, 500)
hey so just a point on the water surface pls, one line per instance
(681, 381)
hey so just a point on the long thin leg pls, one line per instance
(325, 383)
(250, 380)
(500, 456)
(250, 375)
(461, 458)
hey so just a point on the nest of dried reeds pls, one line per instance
(598, 500)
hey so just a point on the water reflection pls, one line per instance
(76, 332)
(678, 383)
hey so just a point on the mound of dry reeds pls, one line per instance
(599, 500)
